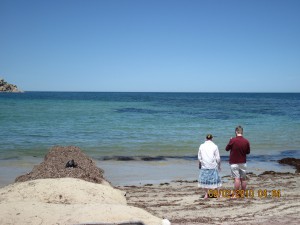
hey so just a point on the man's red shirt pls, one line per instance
(239, 147)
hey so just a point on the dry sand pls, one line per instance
(67, 201)
(181, 202)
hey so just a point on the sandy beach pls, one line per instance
(181, 202)
(74, 201)
(58, 193)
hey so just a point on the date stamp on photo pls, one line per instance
(248, 193)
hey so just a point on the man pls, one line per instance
(239, 147)
(209, 159)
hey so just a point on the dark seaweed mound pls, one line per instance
(61, 162)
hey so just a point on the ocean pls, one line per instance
(146, 137)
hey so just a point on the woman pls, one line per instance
(209, 159)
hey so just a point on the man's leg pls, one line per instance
(243, 176)
(237, 183)
(243, 183)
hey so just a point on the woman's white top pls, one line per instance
(209, 155)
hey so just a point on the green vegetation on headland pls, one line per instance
(6, 87)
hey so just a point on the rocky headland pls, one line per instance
(7, 87)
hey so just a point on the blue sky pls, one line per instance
(149, 45)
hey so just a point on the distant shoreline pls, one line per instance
(158, 92)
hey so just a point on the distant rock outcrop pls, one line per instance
(291, 161)
(6, 87)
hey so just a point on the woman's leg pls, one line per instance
(206, 193)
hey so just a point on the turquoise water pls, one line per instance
(161, 126)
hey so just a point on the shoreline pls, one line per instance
(122, 173)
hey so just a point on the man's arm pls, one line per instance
(229, 145)
(248, 148)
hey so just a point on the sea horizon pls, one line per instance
(183, 92)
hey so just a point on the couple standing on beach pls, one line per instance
(210, 162)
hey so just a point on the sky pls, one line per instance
(151, 45)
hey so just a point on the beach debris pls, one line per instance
(62, 162)
(165, 222)
(273, 173)
(71, 163)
